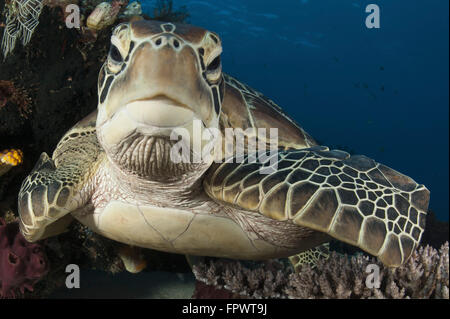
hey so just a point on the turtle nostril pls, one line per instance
(158, 41)
(176, 44)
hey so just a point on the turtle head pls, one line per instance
(158, 77)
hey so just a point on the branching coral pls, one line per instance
(267, 280)
(22, 264)
(22, 17)
(425, 275)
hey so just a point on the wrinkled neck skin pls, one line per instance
(142, 167)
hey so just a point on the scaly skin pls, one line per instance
(114, 170)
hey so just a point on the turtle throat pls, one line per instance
(149, 158)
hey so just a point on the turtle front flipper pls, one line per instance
(60, 185)
(44, 198)
(351, 198)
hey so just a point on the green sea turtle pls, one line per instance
(114, 172)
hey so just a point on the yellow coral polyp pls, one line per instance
(11, 157)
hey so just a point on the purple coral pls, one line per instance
(22, 264)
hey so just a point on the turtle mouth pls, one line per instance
(160, 111)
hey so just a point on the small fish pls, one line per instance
(382, 88)
(336, 59)
(365, 85)
(381, 68)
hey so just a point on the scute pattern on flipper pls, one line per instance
(310, 256)
(40, 199)
(52, 188)
(352, 198)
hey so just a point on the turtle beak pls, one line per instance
(160, 111)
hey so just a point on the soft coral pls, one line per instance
(22, 264)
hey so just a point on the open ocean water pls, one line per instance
(378, 92)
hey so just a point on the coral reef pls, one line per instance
(105, 14)
(133, 9)
(265, 280)
(22, 264)
(10, 93)
(425, 275)
(22, 17)
(76, 246)
(203, 291)
(60, 4)
(9, 159)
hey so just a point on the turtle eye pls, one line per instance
(115, 55)
(213, 70)
(214, 65)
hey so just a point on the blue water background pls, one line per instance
(378, 92)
